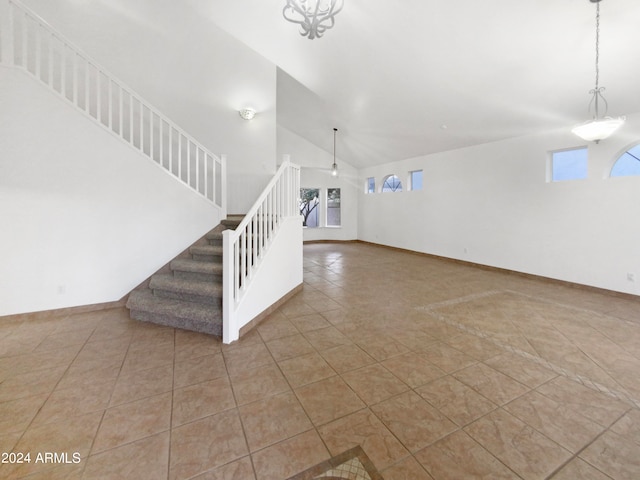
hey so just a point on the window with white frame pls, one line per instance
(569, 164)
(370, 185)
(333, 207)
(627, 164)
(309, 206)
(415, 180)
(391, 183)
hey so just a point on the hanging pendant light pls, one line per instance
(334, 167)
(314, 16)
(598, 128)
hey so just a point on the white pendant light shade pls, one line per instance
(598, 129)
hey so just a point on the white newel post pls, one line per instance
(6, 33)
(230, 331)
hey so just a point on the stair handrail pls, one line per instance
(105, 100)
(244, 247)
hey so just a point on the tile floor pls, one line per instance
(438, 370)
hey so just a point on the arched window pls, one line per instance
(628, 163)
(391, 183)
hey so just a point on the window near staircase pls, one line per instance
(333, 207)
(415, 180)
(391, 183)
(570, 164)
(310, 207)
(628, 163)
(370, 186)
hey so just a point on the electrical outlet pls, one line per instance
(631, 277)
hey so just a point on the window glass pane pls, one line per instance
(569, 165)
(416, 180)
(628, 164)
(392, 184)
(371, 185)
(310, 206)
(333, 207)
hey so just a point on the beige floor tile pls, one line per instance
(520, 369)
(201, 400)
(244, 357)
(562, 424)
(474, 346)
(347, 357)
(458, 457)
(374, 383)
(133, 421)
(284, 459)
(238, 470)
(72, 435)
(289, 347)
(305, 369)
(259, 383)
(276, 326)
(407, 469)
(579, 469)
(363, 428)
(446, 358)
(199, 369)
(413, 421)
(146, 383)
(30, 383)
(68, 403)
(413, 368)
(193, 344)
(16, 415)
(381, 347)
(596, 406)
(145, 459)
(326, 338)
(614, 455)
(521, 448)
(206, 444)
(629, 426)
(490, 383)
(456, 400)
(308, 323)
(328, 399)
(273, 419)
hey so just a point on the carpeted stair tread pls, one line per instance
(146, 306)
(211, 250)
(196, 266)
(168, 282)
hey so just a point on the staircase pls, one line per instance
(187, 293)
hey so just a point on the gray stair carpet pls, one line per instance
(187, 294)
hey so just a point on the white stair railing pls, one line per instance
(245, 248)
(29, 43)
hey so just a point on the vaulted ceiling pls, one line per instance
(412, 77)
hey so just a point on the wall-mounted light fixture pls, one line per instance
(247, 113)
(334, 167)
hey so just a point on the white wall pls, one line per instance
(316, 173)
(491, 204)
(189, 69)
(85, 218)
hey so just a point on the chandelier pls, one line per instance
(598, 128)
(314, 16)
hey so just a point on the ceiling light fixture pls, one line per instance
(598, 128)
(334, 167)
(314, 16)
(247, 113)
